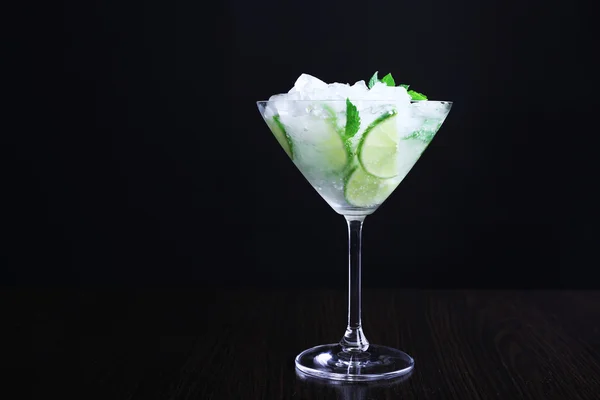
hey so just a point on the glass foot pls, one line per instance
(329, 361)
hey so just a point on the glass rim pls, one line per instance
(355, 100)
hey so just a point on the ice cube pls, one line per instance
(307, 84)
(429, 109)
(380, 91)
(272, 108)
(408, 153)
(337, 91)
(356, 94)
(359, 89)
(313, 90)
(407, 122)
(283, 104)
(401, 95)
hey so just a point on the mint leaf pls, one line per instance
(352, 120)
(388, 80)
(417, 95)
(373, 80)
(404, 86)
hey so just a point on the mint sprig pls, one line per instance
(373, 80)
(416, 95)
(389, 80)
(352, 120)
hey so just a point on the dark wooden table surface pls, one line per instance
(240, 344)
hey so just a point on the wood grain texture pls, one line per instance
(240, 344)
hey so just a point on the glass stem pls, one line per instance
(354, 339)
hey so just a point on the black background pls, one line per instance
(137, 155)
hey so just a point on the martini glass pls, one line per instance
(347, 390)
(354, 160)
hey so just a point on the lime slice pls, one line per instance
(280, 134)
(318, 145)
(365, 190)
(334, 150)
(378, 147)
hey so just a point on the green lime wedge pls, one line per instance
(365, 190)
(378, 147)
(281, 135)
